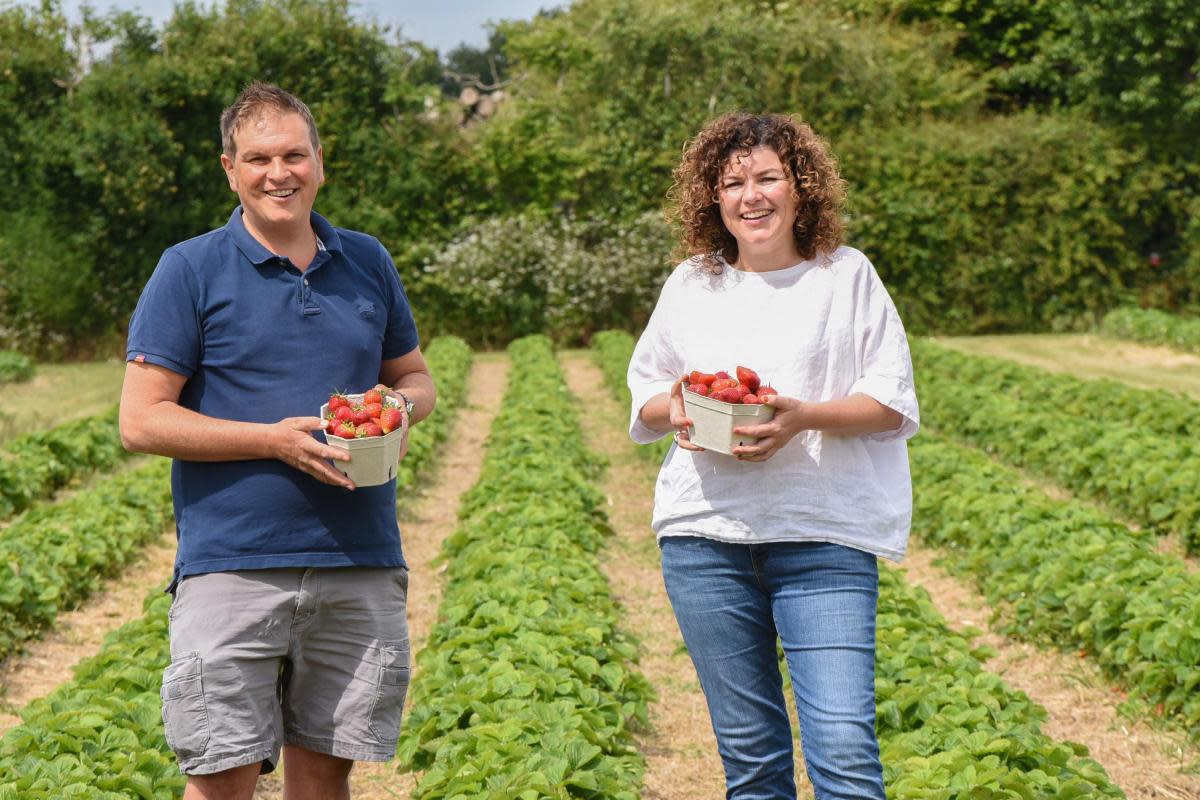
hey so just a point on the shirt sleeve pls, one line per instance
(400, 337)
(887, 372)
(655, 365)
(165, 327)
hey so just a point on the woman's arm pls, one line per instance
(856, 415)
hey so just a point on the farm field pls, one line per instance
(1044, 687)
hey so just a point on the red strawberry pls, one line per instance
(360, 415)
(722, 375)
(721, 384)
(729, 395)
(698, 388)
(372, 396)
(765, 391)
(373, 408)
(389, 419)
(345, 430)
(751, 400)
(370, 429)
(743, 390)
(338, 400)
(749, 377)
(331, 423)
(343, 413)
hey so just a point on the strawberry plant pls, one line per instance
(611, 351)
(57, 554)
(527, 687)
(1064, 575)
(1143, 468)
(35, 465)
(1151, 326)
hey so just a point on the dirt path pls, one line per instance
(79, 633)
(1146, 763)
(680, 749)
(422, 529)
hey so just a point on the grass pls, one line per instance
(1091, 356)
(59, 393)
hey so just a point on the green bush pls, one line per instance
(1028, 222)
(512, 276)
(1151, 326)
(14, 367)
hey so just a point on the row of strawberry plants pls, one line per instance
(35, 465)
(59, 553)
(1062, 574)
(1151, 326)
(948, 728)
(527, 688)
(99, 736)
(611, 351)
(1145, 477)
(1110, 402)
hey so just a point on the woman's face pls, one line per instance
(757, 203)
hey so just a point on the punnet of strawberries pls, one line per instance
(352, 418)
(747, 388)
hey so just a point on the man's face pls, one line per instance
(275, 172)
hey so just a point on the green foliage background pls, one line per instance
(1011, 165)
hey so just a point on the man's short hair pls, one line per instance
(255, 100)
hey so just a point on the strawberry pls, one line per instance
(751, 400)
(331, 423)
(338, 400)
(370, 429)
(722, 375)
(372, 396)
(765, 391)
(743, 390)
(389, 419)
(729, 395)
(748, 377)
(343, 413)
(345, 430)
(721, 384)
(360, 415)
(373, 408)
(698, 388)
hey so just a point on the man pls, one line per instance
(288, 624)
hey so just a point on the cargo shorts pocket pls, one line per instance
(185, 714)
(391, 687)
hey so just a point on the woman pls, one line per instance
(780, 539)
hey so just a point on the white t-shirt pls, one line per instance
(819, 330)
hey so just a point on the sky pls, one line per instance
(441, 24)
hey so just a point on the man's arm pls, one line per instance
(410, 374)
(152, 421)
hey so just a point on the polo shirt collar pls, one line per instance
(258, 254)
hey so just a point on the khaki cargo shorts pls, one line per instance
(317, 658)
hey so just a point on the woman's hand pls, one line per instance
(790, 419)
(679, 418)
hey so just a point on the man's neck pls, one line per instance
(296, 243)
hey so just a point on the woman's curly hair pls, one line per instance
(819, 189)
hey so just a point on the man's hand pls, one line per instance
(293, 444)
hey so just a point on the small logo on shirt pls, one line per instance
(366, 310)
(140, 359)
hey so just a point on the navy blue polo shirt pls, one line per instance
(259, 341)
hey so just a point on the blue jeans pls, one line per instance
(731, 602)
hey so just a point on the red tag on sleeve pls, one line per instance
(140, 359)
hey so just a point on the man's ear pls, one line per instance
(227, 165)
(320, 166)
